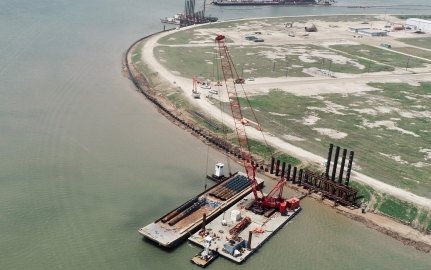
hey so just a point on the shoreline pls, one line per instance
(388, 226)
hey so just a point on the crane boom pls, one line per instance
(228, 68)
(263, 202)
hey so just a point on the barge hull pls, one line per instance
(170, 235)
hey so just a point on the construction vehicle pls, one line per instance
(195, 93)
(274, 199)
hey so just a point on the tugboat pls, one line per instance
(207, 256)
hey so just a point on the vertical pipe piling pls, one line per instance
(294, 175)
(349, 167)
(250, 235)
(204, 221)
(300, 176)
(328, 162)
(334, 169)
(283, 168)
(272, 165)
(289, 168)
(343, 161)
(277, 167)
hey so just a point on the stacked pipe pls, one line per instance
(229, 189)
(179, 210)
(187, 212)
(240, 226)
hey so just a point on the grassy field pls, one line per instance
(389, 129)
(261, 61)
(390, 206)
(414, 51)
(381, 56)
(424, 42)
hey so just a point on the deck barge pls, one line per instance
(256, 232)
(175, 226)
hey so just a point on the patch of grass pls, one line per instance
(377, 148)
(398, 209)
(267, 151)
(381, 56)
(363, 190)
(415, 52)
(137, 54)
(287, 158)
(423, 216)
(424, 42)
(259, 61)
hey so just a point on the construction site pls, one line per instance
(234, 217)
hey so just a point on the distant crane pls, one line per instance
(195, 92)
(274, 199)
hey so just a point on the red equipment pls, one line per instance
(228, 69)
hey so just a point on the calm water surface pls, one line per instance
(85, 160)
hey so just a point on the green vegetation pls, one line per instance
(394, 122)
(259, 61)
(266, 152)
(380, 56)
(423, 217)
(424, 42)
(398, 209)
(415, 52)
(365, 192)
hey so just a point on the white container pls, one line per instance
(235, 215)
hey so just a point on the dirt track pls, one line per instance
(296, 86)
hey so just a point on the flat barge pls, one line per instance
(239, 232)
(175, 226)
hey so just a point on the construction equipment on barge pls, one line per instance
(174, 227)
(190, 16)
(270, 2)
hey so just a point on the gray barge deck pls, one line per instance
(262, 229)
(174, 227)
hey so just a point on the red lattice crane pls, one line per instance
(229, 74)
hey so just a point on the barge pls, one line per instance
(240, 232)
(174, 227)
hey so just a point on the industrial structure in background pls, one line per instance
(190, 16)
